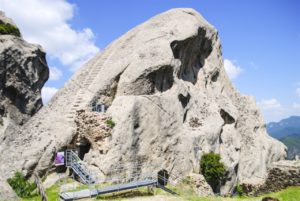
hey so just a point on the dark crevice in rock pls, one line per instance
(136, 125)
(184, 116)
(192, 53)
(161, 79)
(255, 129)
(220, 136)
(189, 13)
(215, 76)
(107, 95)
(184, 100)
(228, 119)
(236, 168)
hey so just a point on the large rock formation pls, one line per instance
(23, 73)
(171, 101)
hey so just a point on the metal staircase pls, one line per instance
(77, 165)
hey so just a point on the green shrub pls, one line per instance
(21, 186)
(8, 29)
(110, 123)
(239, 190)
(213, 170)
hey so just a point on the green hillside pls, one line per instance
(293, 144)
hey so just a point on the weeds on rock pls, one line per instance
(8, 29)
(21, 186)
(110, 123)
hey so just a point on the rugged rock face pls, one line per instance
(23, 72)
(171, 101)
(7, 193)
(281, 174)
(200, 187)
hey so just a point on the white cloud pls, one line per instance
(274, 111)
(269, 104)
(46, 22)
(55, 73)
(296, 106)
(232, 70)
(48, 93)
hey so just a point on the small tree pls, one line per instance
(213, 170)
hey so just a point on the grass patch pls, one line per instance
(52, 194)
(141, 192)
(184, 189)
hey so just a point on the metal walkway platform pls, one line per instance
(67, 196)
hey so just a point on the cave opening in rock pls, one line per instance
(163, 177)
(192, 53)
(161, 79)
(83, 147)
(184, 99)
(215, 76)
(228, 119)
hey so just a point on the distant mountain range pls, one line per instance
(288, 132)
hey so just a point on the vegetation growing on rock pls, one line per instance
(213, 170)
(110, 123)
(8, 29)
(21, 186)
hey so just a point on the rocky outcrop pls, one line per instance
(23, 73)
(281, 175)
(171, 100)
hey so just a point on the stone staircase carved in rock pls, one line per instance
(84, 94)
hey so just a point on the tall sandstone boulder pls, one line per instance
(171, 100)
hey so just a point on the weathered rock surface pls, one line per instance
(6, 192)
(171, 101)
(200, 186)
(92, 129)
(23, 72)
(281, 174)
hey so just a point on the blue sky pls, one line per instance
(260, 39)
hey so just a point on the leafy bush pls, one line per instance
(110, 123)
(213, 170)
(21, 186)
(8, 29)
(239, 190)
